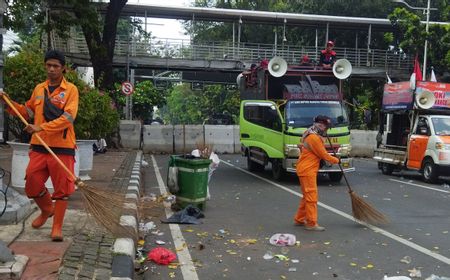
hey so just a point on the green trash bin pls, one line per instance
(192, 180)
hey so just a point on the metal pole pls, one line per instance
(368, 44)
(234, 41)
(424, 71)
(326, 36)
(130, 96)
(239, 37)
(127, 72)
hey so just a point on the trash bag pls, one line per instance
(161, 255)
(282, 239)
(172, 180)
(188, 215)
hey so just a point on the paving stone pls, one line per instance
(69, 271)
(66, 277)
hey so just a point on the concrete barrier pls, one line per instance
(186, 138)
(363, 142)
(130, 134)
(224, 138)
(221, 137)
(158, 139)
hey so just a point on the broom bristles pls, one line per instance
(365, 212)
(106, 207)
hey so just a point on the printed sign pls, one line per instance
(440, 90)
(397, 96)
(127, 88)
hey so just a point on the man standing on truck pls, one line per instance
(308, 164)
(328, 56)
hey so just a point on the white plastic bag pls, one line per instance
(172, 180)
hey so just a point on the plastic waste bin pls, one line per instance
(192, 180)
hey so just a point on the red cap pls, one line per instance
(305, 58)
(330, 43)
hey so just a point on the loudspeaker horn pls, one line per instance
(277, 66)
(425, 100)
(342, 69)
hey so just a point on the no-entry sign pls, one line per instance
(127, 88)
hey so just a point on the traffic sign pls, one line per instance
(127, 88)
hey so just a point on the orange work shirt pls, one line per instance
(313, 151)
(54, 132)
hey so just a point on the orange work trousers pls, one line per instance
(42, 166)
(307, 210)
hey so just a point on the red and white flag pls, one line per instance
(417, 74)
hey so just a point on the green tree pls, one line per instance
(187, 106)
(411, 34)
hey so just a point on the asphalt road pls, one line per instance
(246, 209)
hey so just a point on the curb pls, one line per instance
(125, 248)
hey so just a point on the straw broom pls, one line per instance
(102, 204)
(361, 210)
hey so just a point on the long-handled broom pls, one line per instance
(102, 204)
(361, 210)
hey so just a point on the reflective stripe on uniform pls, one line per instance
(68, 116)
(29, 112)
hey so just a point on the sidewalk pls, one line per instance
(86, 252)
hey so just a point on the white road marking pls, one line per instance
(184, 257)
(347, 216)
(420, 186)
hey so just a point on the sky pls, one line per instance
(165, 28)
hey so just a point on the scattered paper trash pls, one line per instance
(161, 255)
(268, 255)
(406, 259)
(396, 278)
(160, 242)
(415, 273)
(282, 239)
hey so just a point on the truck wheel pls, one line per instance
(254, 166)
(278, 171)
(387, 168)
(335, 176)
(429, 171)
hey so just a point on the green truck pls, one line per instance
(278, 103)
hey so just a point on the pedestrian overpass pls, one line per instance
(222, 61)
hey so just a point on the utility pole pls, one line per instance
(2, 108)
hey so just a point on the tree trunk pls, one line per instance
(101, 46)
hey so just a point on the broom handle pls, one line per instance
(340, 167)
(11, 105)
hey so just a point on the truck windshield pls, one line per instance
(300, 113)
(441, 125)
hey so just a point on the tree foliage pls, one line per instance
(411, 35)
(187, 106)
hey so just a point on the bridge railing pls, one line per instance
(184, 49)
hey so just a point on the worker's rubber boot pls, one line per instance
(45, 204)
(58, 219)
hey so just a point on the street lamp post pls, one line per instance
(427, 12)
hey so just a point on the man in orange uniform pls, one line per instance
(308, 163)
(53, 105)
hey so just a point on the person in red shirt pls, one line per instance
(53, 105)
(328, 56)
(312, 151)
